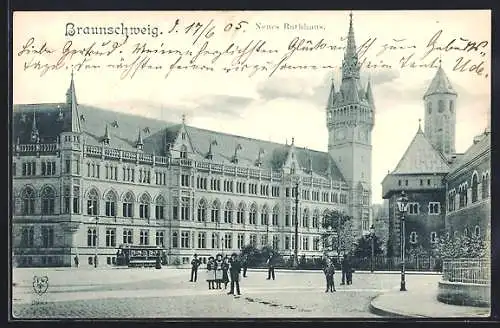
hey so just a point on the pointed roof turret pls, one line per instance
(140, 143)
(440, 84)
(210, 155)
(331, 96)
(106, 138)
(369, 94)
(350, 65)
(71, 101)
(34, 129)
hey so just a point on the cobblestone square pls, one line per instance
(167, 293)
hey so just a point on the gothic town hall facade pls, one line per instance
(87, 180)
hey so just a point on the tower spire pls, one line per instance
(34, 129)
(139, 142)
(350, 66)
(71, 101)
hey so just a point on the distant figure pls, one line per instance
(270, 267)
(76, 261)
(329, 271)
(346, 271)
(195, 263)
(235, 270)
(244, 265)
(210, 273)
(225, 271)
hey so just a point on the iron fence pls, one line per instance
(472, 271)
(384, 263)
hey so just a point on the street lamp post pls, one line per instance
(96, 239)
(296, 246)
(402, 203)
(372, 235)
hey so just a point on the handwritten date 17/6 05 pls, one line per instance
(198, 30)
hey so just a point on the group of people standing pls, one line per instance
(329, 271)
(220, 270)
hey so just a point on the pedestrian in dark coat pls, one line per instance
(234, 270)
(210, 273)
(329, 271)
(225, 271)
(244, 265)
(270, 267)
(346, 271)
(76, 261)
(195, 263)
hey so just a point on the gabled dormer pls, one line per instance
(139, 144)
(182, 146)
(291, 165)
(210, 154)
(106, 138)
(258, 162)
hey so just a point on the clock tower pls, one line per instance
(350, 118)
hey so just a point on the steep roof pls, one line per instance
(421, 157)
(483, 144)
(440, 84)
(123, 132)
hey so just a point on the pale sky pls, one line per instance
(290, 103)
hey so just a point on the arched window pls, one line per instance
(28, 197)
(183, 152)
(202, 210)
(128, 205)
(485, 186)
(452, 106)
(144, 206)
(276, 213)
(48, 200)
(93, 202)
(110, 200)
(160, 208)
(252, 215)
(240, 214)
(264, 216)
(228, 213)
(474, 187)
(477, 231)
(305, 217)
(215, 211)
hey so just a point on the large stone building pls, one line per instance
(429, 172)
(86, 180)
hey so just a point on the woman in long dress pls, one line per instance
(225, 271)
(218, 270)
(210, 274)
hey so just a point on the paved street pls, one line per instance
(136, 293)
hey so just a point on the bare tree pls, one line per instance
(338, 235)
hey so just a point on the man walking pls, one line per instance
(270, 266)
(76, 261)
(234, 272)
(244, 264)
(195, 263)
(346, 270)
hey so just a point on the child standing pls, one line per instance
(329, 271)
(210, 275)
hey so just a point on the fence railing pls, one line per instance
(471, 271)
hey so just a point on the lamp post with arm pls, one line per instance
(402, 203)
(296, 246)
(372, 238)
(96, 239)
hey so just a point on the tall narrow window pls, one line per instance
(76, 200)
(160, 208)
(228, 213)
(276, 213)
(28, 197)
(202, 211)
(128, 204)
(93, 202)
(252, 215)
(474, 187)
(144, 206)
(110, 204)
(240, 214)
(214, 217)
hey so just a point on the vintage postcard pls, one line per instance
(236, 164)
